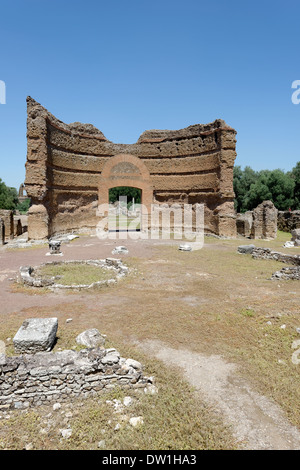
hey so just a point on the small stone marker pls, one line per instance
(36, 334)
(120, 250)
(54, 247)
(185, 247)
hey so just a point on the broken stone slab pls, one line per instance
(90, 338)
(289, 244)
(36, 334)
(185, 247)
(120, 250)
(26, 275)
(133, 363)
(246, 249)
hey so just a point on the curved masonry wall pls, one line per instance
(36, 379)
(70, 168)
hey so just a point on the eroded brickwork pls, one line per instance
(70, 169)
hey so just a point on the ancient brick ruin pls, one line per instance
(259, 223)
(8, 221)
(288, 220)
(71, 167)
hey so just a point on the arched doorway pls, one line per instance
(125, 209)
(126, 170)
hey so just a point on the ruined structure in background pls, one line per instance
(259, 223)
(264, 221)
(2, 232)
(71, 167)
(244, 224)
(288, 220)
(8, 219)
(22, 193)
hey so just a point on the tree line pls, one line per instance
(253, 187)
(9, 199)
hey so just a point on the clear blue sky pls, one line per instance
(128, 66)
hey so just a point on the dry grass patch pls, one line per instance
(75, 274)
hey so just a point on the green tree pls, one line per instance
(115, 193)
(242, 181)
(252, 188)
(295, 175)
(24, 206)
(8, 197)
(258, 191)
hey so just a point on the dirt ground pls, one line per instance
(212, 314)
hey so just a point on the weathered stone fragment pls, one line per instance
(36, 334)
(246, 249)
(91, 338)
(296, 236)
(185, 247)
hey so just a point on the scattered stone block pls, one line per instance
(36, 334)
(295, 234)
(120, 250)
(246, 249)
(90, 338)
(185, 247)
(136, 421)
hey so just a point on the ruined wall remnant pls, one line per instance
(37, 379)
(2, 232)
(8, 218)
(264, 221)
(244, 224)
(288, 220)
(70, 169)
(267, 253)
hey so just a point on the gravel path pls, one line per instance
(256, 421)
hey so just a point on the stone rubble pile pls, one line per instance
(267, 253)
(290, 272)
